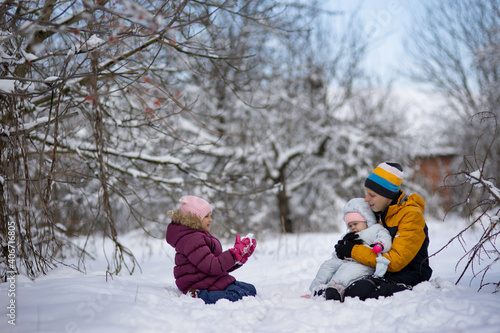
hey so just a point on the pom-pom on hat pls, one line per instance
(194, 205)
(386, 180)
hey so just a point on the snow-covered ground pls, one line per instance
(281, 269)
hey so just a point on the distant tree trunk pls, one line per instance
(284, 209)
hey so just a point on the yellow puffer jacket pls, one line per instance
(408, 256)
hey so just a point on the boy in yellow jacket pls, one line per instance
(402, 215)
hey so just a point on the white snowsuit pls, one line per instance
(345, 272)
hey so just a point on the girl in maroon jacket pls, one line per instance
(201, 267)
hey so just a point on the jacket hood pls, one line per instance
(413, 201)
(359, 205)
(186, 219)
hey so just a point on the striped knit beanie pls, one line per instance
(194, 205)
(386, 180)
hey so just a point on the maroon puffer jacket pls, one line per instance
(199, 260)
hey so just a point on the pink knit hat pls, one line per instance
(353, 216)
(194, 205)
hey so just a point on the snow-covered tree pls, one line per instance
(111, 111)
(302, 140)
(98, 124)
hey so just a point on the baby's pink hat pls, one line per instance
(195, 205)
(353, 216)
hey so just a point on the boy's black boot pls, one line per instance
(333, 293)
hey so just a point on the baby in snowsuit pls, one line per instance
(335, 274)
(201, 267)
